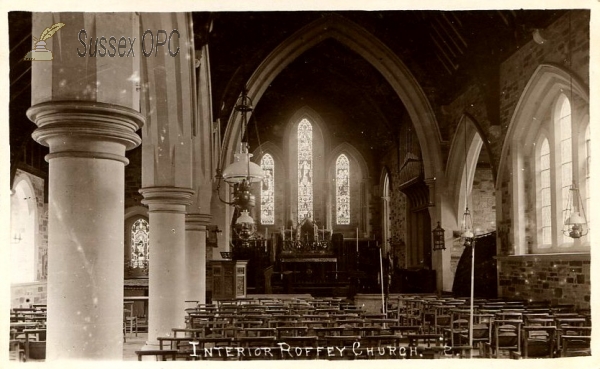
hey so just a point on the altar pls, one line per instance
(308, 259)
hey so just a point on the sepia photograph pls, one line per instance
(326, 184)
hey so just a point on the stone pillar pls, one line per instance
(195, 256)
(85, 226)
(87, 112)
(168, 96)
(166, 306)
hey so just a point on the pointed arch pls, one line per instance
(354, 155)
(537, 114)
(546, 83)
(24, 230)
(375, 52)
(461, 163)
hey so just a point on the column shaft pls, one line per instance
(85, 225)
(195, 259)
(167, 291)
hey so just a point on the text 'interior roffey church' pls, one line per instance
(309, 185)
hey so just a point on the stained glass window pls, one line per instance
(267, 191)
(546, 203)
(305, 170)
(140, 246)
(342, 193)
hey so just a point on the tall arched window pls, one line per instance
(566, 161)
(588, 168)
(545, 194)
(140, 245)
(267, 191)
(342, 189)
(305, 170)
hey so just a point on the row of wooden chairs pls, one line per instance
(28, 333)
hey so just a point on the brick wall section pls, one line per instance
(559, 279)
(483, 200)
(516, 71)
(35, 292)
(470, 102)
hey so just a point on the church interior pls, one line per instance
(243, 185)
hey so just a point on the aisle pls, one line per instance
(133, 344)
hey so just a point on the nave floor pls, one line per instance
(134, 344)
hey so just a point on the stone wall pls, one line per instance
(558, 278)
(25, 294)
(483, 200)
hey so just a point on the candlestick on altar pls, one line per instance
(357, 240)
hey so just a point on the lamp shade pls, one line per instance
(242, 168)
(244, 218)
(575, 218)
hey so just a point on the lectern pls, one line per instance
(228, 279)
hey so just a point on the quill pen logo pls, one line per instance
(40, 53)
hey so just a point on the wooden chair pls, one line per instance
(575, 346)
(262, 341)
(482, 329)
(458, 327)
(340, 341)
(322, 332)
(538, 342)
(572, 331)
(506, 337)
(16, 350)
(35, 344)
(291, 331)
(427, 346)
(130, 321)
(162, 354)
(257, 332)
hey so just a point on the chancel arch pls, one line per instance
(369, 47)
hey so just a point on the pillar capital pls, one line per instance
(86, 129)
(430, 182)
(197, 221)
(167, 199)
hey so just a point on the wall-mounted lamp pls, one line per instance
(439, 243)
